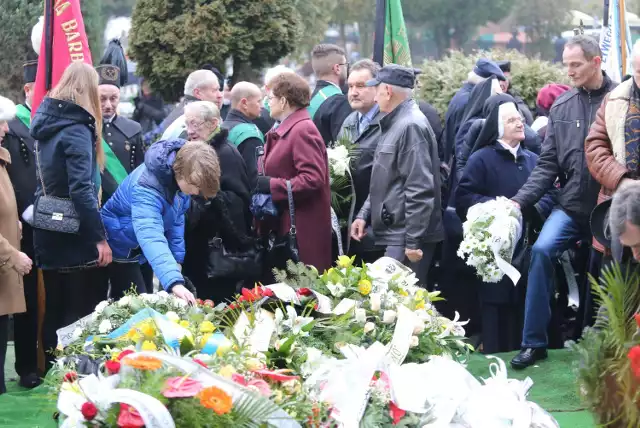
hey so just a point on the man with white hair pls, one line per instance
(403, 206)
(201, 85)
(265, 122)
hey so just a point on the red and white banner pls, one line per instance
(64, 41)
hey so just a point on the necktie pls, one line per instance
(363, 124)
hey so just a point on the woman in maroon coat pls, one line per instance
(296, 152)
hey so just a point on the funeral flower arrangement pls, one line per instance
(491, 232)
(608, 371)
(278, 355)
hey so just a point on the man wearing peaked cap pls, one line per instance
(22, 172)
(122, 136)
(403, 206)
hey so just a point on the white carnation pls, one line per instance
(125, 301)
(162, 294)
(100, 307)
(419, 327)
(105, 327)
(339, 160)
(77, 333)
(149, 298)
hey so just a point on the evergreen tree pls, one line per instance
(18, 18)
(170, 39)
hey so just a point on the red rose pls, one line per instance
(89, 410)
(305, 292)
(70, 377)
(634, 357)
(209, 303)
(125, 353)
(637, 317)
(113, 367)
(267, 292)
(195, 360)
(396, 413)
(232, 306)
(199, 301)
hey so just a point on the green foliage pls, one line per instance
(170, 39)
(18, 18)
(440, 80)
(545, 19)
(94, 25)
(607, 383)
(117, 7)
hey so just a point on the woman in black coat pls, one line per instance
(224, 220)
(499, 167)
(66, 127)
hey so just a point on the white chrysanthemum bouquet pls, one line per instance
(491, 233)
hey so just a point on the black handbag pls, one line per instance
(280, 249)
(52, 213)
(242, 265)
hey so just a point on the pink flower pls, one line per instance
(258, 385)
(276, 375)
(181, 387)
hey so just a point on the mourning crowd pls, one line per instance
(229, 185)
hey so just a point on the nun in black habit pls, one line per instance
(499, 166)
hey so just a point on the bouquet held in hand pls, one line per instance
(491, 233)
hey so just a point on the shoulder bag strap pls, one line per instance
(37, 147)
(292, 210)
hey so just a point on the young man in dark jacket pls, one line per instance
(562, 157)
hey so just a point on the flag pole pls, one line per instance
(378, 41)
(623, 37)
(605, 21)
(48, 34)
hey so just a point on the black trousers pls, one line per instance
(25, 328)
(4, 337)
(69, 297)
(125, 277)
(147, 275)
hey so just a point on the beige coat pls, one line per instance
(11, 287)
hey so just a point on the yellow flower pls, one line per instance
(207, 327)
(184, 323)
(403, 292)
(420, 304)
(345, 262)
(133, 335)
(364, 287)
(224, 347)
(227, 371)
(147, 329)
(148, 345)
(420, 294)
(204, 339)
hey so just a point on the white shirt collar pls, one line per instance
(512, 150)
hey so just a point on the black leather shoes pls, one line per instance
(528, 357)
(30, 381)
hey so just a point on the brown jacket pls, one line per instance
(11, 288)
(605, 147)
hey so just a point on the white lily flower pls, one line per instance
(337, 290)
(452, 326)
(375, 301)
(369, 327)
(389, 317)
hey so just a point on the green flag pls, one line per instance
(396, 40)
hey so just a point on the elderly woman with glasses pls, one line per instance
(499, 166)
(224, 220)
(295, 152)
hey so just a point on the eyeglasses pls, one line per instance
(348, 66)
(195, 125)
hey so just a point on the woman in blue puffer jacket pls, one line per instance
(145, 217)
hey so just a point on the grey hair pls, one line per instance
(625, 207)
(199, 79)
(276, 71)
(405, 92)
(366, 64)
(207, 110)
(588, 44)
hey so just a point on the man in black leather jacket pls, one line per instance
(562, 157)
